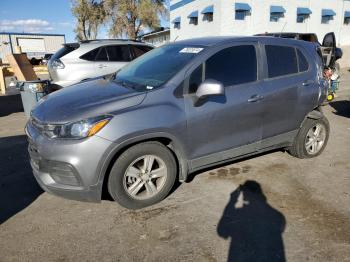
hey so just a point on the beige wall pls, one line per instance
(345, 61)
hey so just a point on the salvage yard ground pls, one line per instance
(302, 211)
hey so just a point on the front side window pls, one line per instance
(281, 60)
(156, 67)
(233, 66)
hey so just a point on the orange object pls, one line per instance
(97, 127)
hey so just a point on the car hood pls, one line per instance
(84, 100)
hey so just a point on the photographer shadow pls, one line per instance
(255, 228)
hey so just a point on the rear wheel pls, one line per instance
(311, 139)
(143, 175)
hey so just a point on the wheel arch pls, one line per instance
(165, 139)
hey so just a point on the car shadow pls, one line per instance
(18, 187)
(254, 227)
(342, 107)
(10, 104)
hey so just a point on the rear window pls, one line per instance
(90, 56)
(281, 60)
(66, 49)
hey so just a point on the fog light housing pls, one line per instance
(61, 173)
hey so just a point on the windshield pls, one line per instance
(156, 67)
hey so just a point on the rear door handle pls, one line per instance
(101, 66)
(255, 98)
(306, 83)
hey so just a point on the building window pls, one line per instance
(208, 13)
(209, 17)
(326, 19)
(240, 15)
(276, 13)
(303, 13)
(275, 17)
(327, 16)
(347, 18)
(242, 10)
(177, 22)
(302, 18)
(193, 18)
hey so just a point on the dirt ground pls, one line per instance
(295, 210)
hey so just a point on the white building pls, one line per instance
(197, 18)
(35, 45)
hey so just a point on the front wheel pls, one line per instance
(143, 175)
(311, 139)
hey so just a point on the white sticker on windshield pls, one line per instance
(191, 50)
(149, 87)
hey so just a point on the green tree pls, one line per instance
(90, 15)
(128, 18)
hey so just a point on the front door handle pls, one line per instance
(101, 66)
(255, 98)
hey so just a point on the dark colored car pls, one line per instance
(177, 109)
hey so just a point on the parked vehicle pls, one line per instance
(180, 108)
(46, 59)
(76, 62)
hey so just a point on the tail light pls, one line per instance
(57, 64)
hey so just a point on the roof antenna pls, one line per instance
(284, 26)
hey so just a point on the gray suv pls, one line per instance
(179, 108)
(76, 62)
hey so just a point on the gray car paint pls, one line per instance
(223, 128)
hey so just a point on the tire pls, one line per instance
(303, 146)
(134, 167)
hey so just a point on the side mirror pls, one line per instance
(210, 87)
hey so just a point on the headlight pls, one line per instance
(77, 130)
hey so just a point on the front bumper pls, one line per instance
(68, 168)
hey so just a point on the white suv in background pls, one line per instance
(76, 62)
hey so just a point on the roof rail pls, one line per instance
(114, 39)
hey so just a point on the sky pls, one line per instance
(41, 16)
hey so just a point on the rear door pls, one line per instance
(288, 91)
(328, 49)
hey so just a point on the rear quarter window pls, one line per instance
(281, 60)
(302, 62)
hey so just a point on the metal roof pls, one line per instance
(40, 34)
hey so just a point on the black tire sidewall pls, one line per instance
(115, 180)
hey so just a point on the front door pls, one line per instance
(222, 127)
